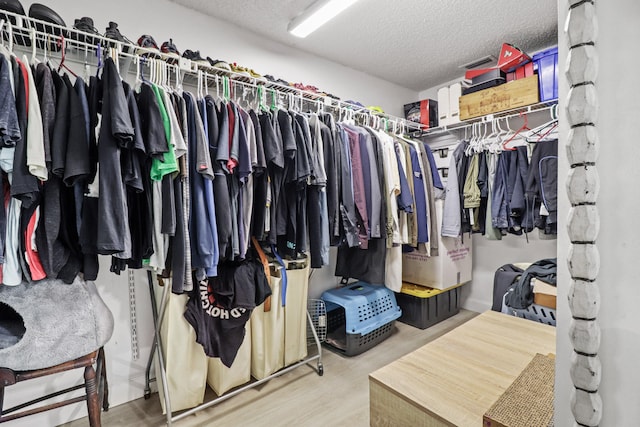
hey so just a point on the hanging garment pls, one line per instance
(201, 234)
(542, 187)
(491, 232)
(367, 265)
(451, 218)
(115, 130)
(359, 192)
(471, 194)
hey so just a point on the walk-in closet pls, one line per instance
(318, 213)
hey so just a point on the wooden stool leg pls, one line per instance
(93, 405)
(104, 381)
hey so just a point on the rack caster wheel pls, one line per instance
(320, 369)
(147, 394)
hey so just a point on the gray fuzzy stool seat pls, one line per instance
(49, 327)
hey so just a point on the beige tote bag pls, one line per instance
(295, 312)
(222, 379)
(267, 333)
(185, 360)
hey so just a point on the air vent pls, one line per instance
(478, 62)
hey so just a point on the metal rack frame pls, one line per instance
(71, 41)
(158, 346)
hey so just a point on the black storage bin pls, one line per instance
(424, 307)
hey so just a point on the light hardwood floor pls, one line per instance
(300, 397)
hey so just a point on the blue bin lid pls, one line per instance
(547, 52)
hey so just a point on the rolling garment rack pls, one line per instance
(67, 45)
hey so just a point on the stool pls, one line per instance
(95, 385)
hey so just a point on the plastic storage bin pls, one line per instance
(423, 307)
(359, 316)
(546, 62)
(535, 312)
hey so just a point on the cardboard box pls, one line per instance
(455, 92)
(453, 265)
(525, 70)
(518, 93)
(544, 294)
(425, 112)
(511, 58)
(443, 105)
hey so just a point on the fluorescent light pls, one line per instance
(317, 15)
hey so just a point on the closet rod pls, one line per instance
(54, 33)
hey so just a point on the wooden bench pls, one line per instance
(455, 379)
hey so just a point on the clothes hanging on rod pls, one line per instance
(496, 193)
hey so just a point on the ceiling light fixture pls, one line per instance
(317, 15)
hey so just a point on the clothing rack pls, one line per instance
(61, 41)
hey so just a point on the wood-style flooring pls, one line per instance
(297, 398)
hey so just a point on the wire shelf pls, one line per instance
(33, 33)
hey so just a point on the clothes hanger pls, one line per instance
(99, 55)
(62, 45)
(32, 36)
(525, 126)
(10, 28)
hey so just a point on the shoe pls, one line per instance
(217, 63)
(112, 32)
(170, 49)
(354, 103)
(194, 56)
(43, 13)
(20, 26)
(375, 109)
(85, 25)
(149, 46)
(241, 71)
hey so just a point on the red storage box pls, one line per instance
(511, 58)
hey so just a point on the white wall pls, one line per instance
(618, 242)
(219, 40)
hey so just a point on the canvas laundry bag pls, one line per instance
(267, 332)
(295, 312)
(184, 358)
(222, 379)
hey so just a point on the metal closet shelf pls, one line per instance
(507, 114)
(45, 35)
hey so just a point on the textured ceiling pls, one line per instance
(417, 44)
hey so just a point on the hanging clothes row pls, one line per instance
(495, 188)
(388, 187)
(177, 182)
